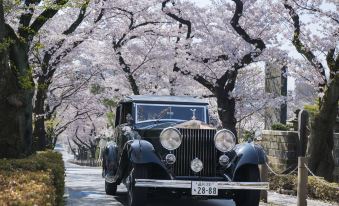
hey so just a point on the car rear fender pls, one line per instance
(110, 158)
(249, 154)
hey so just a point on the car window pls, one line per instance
(152, 112)
(117, 116)
(126, 112)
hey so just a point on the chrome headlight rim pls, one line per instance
(233, 138)
(179, 135)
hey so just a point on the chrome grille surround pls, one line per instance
(196, 143)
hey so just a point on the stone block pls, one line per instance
(274, 145)
(287, 146)
(283, 154)
(265, 144)
(275, 160)
(278, 168)
(271, 152)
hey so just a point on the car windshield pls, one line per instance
(158, 112)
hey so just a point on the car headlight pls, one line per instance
(170, 138)
(224, 140)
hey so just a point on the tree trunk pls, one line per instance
(11, 137)
(39, 132)
(25, 90)
(15, 102)
(226, 110)
(321, 141)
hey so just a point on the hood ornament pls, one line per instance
(193, 111)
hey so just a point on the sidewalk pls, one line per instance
(287, 200)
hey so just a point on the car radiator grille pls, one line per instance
(196, 143)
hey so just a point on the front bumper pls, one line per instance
(187, 184)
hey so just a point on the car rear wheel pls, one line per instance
(249, 173)
(110, 188)
(137, 196)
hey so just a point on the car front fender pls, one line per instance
(142, 152)
(249, 154)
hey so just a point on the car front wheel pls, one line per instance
(137, 196)
(249, 173)
(110, 188)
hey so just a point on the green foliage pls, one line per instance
(45, 163)
(10, 4)
(111, 118)
(312, 109)
(316, 189)
(110, 103)
(96, 89)
(5, 44)
(50, 132)
(26, 81)
(247, 135)
(280, 127)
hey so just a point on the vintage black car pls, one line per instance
(164, 144)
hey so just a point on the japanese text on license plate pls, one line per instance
(204, 188)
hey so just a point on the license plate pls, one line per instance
(204, 188)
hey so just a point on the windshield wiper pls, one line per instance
(162, 114)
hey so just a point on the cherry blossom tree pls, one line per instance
(50, 51)
(23, 21)
(214, 44)
(317, 41)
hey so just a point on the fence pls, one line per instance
(303, 172)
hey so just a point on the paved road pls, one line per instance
(85, 187)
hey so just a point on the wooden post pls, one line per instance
(302, 182)
(264, 178)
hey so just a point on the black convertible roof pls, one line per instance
(164, 99)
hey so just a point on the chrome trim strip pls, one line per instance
(187, 184)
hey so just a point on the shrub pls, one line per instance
(247, 135)
(43, 171)
(316, 189)
(280, 127)
(26, 188)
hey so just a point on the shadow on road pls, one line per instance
(165, 201)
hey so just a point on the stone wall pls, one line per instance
(281, 148)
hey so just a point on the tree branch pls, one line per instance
(187, 23)
(257, 43)
(45, 16)
(79, 19)
(301, 48)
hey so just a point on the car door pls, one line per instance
(123, 110)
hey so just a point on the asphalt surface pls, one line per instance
(84, 186)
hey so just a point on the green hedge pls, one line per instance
(316, 189)
(279, 127)
(43, 171)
